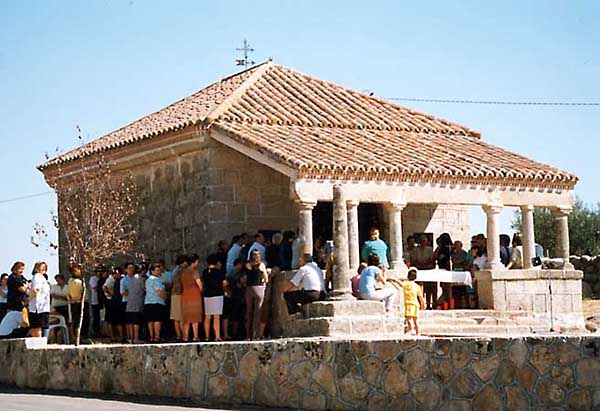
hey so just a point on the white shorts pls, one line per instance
(213, 305)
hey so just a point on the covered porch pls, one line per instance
(530, 299)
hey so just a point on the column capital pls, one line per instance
(306, 204)
(397, 205)
(562, 211)
(352, 203)
(527, 208)
(492, 208)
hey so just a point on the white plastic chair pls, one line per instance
(57, 322)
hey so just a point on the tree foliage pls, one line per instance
(95, 211)
(584, 228)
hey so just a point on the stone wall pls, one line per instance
(551, 296)
(437, 219)
(191, 201)
(590, 266)
(447, 374)
(245, 195)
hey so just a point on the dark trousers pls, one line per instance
(96, 319)
(16, 333)
(295, 299)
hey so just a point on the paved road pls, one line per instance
(24, 400)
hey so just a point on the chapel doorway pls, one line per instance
(370, 215)
(323, 221)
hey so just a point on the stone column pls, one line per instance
(353, 242)
(395, 219)
(493, 236)
(305, 226)
(561, 215)
(341, 269)
(528, 235)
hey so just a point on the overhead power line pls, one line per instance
(493, 102)
(10, 200)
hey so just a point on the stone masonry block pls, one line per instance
(246, 194)
(236, 212)
(343, 308)
(232, 177)
(216, 212)
(519, 302)
(562, 303)
(540, 303)
(220, 193)
(224, 158)
(566, 286)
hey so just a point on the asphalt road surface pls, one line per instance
(13, 399)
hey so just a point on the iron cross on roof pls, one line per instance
(245, 62)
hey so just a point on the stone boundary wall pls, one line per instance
(590, 266)
(449, 374)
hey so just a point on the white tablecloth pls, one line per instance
(445, 276)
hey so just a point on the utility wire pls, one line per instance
(10, 200)
(491, 102)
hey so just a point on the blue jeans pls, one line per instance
(387, 295)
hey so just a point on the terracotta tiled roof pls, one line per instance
(281, 96)
(393, 155)
(323, 130)
(178, 115)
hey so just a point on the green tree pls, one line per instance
(584, 228)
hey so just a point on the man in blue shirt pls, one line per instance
(375, 246)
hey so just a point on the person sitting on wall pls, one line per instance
(504, 249)
(516, 255)
(355, 281)
(308, 283)
(372, 284)
(14, 325)
(375, 246)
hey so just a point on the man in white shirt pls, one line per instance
(306, 286)
(259, 244)
(13, 326)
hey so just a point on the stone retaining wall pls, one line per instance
(449, 374)
(590, 266)
(552, 296)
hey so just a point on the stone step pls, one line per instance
(343, 326)
(349, 308)
(477, 330)
(471, 314)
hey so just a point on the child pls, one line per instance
(413, 301)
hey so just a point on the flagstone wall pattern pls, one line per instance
(448, 374)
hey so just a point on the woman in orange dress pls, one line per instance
(191, 299)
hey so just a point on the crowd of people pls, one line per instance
(231, 297)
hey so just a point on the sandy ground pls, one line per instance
(591, 308)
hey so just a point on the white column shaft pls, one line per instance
(528, 236)
(396, 250)
(493, 236)
(353, 242)
(562, 232)
(305, 227)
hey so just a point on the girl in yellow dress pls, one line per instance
(413, 301)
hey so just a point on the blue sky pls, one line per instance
(101, 64)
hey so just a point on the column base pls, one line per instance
(341, 296)
(495, 266)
